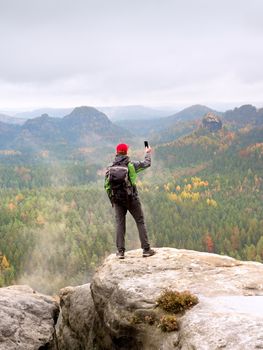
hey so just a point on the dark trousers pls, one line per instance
(133, 205)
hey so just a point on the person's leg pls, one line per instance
(120, 216)
(135, 209)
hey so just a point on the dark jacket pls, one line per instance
(134, 168)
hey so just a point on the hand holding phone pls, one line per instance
(147, 147)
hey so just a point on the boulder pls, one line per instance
(229, 314)
(27, 319)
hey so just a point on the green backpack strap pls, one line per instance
(107, 186)
(132, 174)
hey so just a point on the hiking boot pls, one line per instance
(148, 252)
(120, 254)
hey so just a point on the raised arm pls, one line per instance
(146, 163)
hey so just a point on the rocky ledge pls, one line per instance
(27, 319)
(118, 310)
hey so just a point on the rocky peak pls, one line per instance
(123, 299)
(211, 122)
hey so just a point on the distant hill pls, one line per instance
(38, 133)
(86, 124)
(83, 127)
(191, 113)
(220, 152)
(194, 149)
(86, 129)
(170, 127)
(244, 115)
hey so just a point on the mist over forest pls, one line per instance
(203, 191)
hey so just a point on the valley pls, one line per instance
(203, 192)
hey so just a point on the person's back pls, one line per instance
(125, 197)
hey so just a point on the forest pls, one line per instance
(203, 192)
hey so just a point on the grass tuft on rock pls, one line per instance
(168, 323)
(173, 301)
(148, 318)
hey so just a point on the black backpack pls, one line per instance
(120, 184)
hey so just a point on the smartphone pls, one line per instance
(146, 144)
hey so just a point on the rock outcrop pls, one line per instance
(118, 310)
(211, 122)
(229, 314)
(75, 328)
(27, 319)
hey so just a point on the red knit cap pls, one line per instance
(122, 148)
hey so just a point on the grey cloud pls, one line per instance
(122, 50)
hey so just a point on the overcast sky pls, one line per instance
(65, 53)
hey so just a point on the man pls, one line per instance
(125, 197)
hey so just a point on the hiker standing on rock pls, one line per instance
(120, 185)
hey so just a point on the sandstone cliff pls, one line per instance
(112, 312)
(212, 122)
